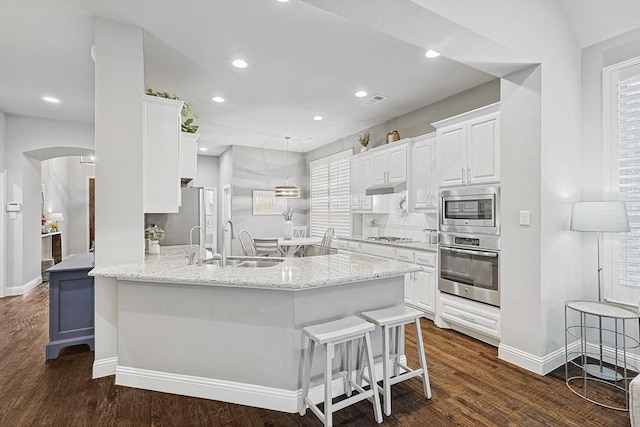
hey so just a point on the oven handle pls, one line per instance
(470, 252)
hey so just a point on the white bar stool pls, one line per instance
(395, 318)
(331, 334)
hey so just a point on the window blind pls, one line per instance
(330, 195)
(628, 122)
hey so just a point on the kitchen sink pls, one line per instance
(259, 263)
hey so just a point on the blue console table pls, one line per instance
(71, 304)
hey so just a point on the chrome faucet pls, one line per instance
(224, 240)
(191, 251)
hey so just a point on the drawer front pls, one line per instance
(479, 317)
(425, 258)
(403, 255)
(342, 245)
(377, 250)
(354, 247)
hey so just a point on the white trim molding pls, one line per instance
(539, 365)
(21, 290)
(227, 391)
(105, 367)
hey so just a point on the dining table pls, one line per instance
(290, 246)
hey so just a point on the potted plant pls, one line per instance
(154, 234)
(364, 141)
(287, 226)
(187, 114)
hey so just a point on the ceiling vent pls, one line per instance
(373, 100)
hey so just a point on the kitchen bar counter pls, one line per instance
(232, 334)
(170, 266)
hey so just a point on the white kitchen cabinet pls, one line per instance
(479, 320)
(188, 155)
(420, 287)
(161, 154)
(360, 179)
(423, 189)
(468, 147)
(389, 164)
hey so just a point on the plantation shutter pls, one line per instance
(628, 135)
(330, 194)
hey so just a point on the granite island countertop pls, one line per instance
(170, 266)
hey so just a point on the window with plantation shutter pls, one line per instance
(330, 194)
(622, 140)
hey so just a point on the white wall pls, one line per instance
(208, 174)
(29, 140)
(77, 223)
(3, 127)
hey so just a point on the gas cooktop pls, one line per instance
(391, 239)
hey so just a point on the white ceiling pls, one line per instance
(303, 61)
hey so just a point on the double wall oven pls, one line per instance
(470, 244)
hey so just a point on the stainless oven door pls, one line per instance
(470, 273)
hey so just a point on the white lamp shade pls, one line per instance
(55, 216)
(602, 216)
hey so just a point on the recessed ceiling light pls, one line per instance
(431, 54)
(203, 149)
(318, 118)
(240, 63)
(361, 94)
(218, 99)
(307, 140)
(51, 99)
(283, 1)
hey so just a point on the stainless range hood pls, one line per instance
(386, 188)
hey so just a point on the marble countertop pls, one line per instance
(170, 266)
(421, 246)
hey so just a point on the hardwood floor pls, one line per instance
(471, 387)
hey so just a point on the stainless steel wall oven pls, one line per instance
(470, 266)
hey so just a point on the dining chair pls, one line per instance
(248, 245)
(267, 247)
(300, 231)
(325, 245)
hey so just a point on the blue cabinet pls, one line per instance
(71, 304)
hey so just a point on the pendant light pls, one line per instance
(288, 190)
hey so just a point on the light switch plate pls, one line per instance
(525, 218)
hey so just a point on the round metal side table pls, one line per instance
(597, 341)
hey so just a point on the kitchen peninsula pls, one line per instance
(234, 334)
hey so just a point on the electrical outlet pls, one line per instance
(525, 218)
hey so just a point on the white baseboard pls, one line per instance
(226, 391)
(105, 367)
(21, 290)
(539, 365)
(544, 365)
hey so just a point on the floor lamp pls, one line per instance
(600, 217)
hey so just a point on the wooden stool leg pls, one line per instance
(386, 386)
(347, 385)
(328, 376)
(372, 377)
(306, 377)
(423, 361)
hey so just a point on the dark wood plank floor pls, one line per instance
(471, 387)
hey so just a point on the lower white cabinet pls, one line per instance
(420, 287)
(473, 316)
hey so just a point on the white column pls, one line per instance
(119, 215)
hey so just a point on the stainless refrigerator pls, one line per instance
(199, 207)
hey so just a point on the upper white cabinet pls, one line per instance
(389, 164)
(423, 188)
(468, 147)
(161, 145)
(360, 179)
(188, 155)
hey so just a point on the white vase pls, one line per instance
(154, 247)
(363, 149)
(287, 230)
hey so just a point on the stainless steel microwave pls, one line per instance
(470, 210)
